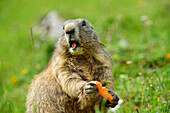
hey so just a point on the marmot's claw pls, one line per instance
(90, 89)
(115, 99)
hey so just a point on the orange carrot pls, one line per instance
(104, 92)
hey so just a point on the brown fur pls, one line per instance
(60, 87)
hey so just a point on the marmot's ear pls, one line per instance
(84, 23)
(95, 37)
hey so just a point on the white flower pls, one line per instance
(148, 23)
(144, 18)
(123, 43)
(123, 76)
(129, 62)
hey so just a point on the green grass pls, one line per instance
(120, 20)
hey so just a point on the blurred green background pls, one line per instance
(136, 34)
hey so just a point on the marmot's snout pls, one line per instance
(71, 31)
(72, 35)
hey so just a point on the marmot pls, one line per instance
(65, 84)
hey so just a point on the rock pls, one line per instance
(49, 27)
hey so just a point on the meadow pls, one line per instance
(136, 34)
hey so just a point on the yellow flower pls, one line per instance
(168, 56)
(24, 71)
(14, 79)
(158, 99)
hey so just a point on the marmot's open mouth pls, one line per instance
(73, 43)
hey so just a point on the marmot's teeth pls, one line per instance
(72, 39)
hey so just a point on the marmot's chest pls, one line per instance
(84, 67)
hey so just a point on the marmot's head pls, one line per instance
(79, 37)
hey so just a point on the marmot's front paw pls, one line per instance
(115, 99)
(90, 89)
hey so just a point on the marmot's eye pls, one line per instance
(63, 27)
(84, 23)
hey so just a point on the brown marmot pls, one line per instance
(65, 85)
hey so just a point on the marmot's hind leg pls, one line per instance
(45, 96)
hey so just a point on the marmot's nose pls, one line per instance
(70, 28)
(70, 32)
